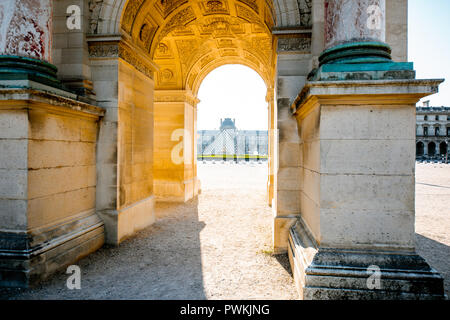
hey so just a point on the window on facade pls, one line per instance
(437, 118)
(448, 131)
(419, 149)
(431, 149)
(425, 118)
(425, 131)
(436, 131)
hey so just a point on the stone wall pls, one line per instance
(48, 180)
(135, 150)
(175, 146)
(357, 195)
(61, 165)
(337, 183)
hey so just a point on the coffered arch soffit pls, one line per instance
(189, 38)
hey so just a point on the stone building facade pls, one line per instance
(432, 132)
(98, 121)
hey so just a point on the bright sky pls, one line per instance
(429, 44)
(232, 91)
(235, 91)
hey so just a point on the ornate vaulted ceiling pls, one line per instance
(189, 38)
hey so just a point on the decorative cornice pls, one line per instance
(176, 96)
(294, 43)
(118, 47)
(49, 101)
(104, 50)
(359, 92)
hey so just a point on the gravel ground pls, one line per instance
(218, 246)
(433, 217)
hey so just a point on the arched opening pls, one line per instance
(187, 40)
(443, 148)
(233, 125)
(419, 149)
(431, 149)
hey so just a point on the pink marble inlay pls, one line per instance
(354, 20)
(25, 28)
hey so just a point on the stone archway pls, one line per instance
(190, 41)
(174, 44)
(281, 40)
(136, 66)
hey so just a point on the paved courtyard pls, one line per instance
(218, 246)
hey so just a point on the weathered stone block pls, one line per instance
(49, 170)
(357, 201)
(14, 154)
(13, 184)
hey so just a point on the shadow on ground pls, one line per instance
(161, 262)
(283, 260)
(437, 255)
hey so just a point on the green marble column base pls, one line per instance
(22, 68)
(360, 61)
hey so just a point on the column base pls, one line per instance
(280, 233)
(333, 274)
(22, 68)
(360, 61)
(121, 224)
(27, 258)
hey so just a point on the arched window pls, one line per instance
(425, 118)
(443, 148)
(431, 149)
(419, 149)
(425, 131)
(437, 118)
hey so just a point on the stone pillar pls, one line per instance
(70, 48)
(124, 87)
(26, 40)
(25, 29)
(47, 183)
(175, 158)
(352, 21)
(48, 145)
(355, 34)
(354, 238)
(271, 140)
